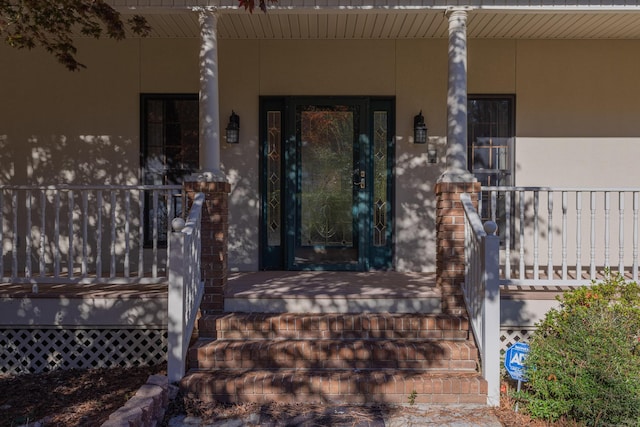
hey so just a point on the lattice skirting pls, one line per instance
(39, 350)
(510, 336)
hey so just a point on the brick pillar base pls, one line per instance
(215, 235)
(450, 262)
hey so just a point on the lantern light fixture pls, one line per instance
(419, 129)
(233, 128)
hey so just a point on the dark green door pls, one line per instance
(327, 181)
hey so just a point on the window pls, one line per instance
(169, 148)
(491, 144)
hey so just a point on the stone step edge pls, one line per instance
(146, 407)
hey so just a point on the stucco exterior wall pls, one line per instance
(576, 113)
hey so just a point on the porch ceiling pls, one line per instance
(312, 24)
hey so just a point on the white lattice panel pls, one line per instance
(508, 337)
(38, 350)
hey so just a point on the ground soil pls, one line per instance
(71, 397)
(87, 398)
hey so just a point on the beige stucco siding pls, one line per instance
(577, 88)
(576, 107)
(58, 126)
(577, 113)
(240, 76)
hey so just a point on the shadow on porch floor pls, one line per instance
(332, 292)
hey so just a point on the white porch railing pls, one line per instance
(185, 287)
(86, 234)
(564, 236)
(481, 290)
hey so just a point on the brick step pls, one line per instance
(343, 386)
(334, 326)
(456, 356)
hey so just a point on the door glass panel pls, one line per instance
(326, 184)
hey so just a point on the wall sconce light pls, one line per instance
(419, 129)
(432, 152)
(233, 128)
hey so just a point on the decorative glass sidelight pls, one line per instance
(274, 182)
(380, 174)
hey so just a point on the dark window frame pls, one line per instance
(503, 176)
(169, 175)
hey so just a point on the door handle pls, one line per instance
(362, 182)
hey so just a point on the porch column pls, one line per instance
(450, 255)
(209, 97)
(457, 99)
(209, 179)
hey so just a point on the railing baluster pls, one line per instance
(578, 235)
(592, 272)
(112, 251)
(565, 202)
(85, 232)
(127, 237)
(2, 233)
(549, 235)
(507, 235)
(34, 217)
(170, 216)
(142, 195)
(636, 205)
(536, 233)
(521, 242)
(560, 268)
(494, 204)
(607, 218)
(99, 214)
(56, 236)
(70, 220)
(154, 265)
(14, 259)
(43, 216)
(621, 233)
(27, 235)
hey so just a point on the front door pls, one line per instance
(327, 182)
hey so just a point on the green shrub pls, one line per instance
(584, 359)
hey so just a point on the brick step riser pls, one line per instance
(347, 399)
(432, 335)
(333, 355)
(335, 388)
(242, 326)
(361, 365)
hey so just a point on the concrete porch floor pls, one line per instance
(332, 292)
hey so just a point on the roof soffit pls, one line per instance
(384, 19)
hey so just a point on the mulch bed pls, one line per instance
(86, 398)
(71, 397)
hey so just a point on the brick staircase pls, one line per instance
(340, 358)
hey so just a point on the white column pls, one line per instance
(457, 99)
(209, 97)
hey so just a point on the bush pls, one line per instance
(584, 359)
